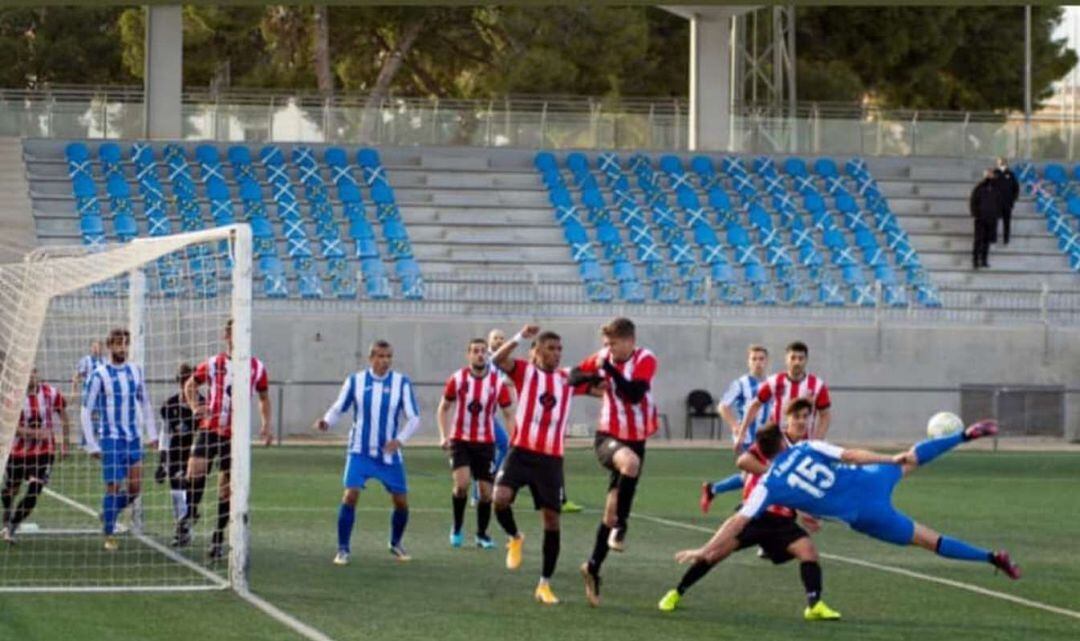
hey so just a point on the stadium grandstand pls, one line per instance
(728, 224)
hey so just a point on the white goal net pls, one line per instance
(110, 511)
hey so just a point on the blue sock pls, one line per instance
(931, 448)
(123, 499)
(731, 483)
(398, 520)
(345, 520)
(951, 548)
(109, 512)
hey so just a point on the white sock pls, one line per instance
(179, 503)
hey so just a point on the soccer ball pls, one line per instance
(942, 424)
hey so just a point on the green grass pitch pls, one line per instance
(1026, 503)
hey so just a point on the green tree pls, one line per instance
(967, 58)
(60, 45)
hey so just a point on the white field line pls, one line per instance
(218, 583)
(960, 585)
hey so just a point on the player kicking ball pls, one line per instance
(776, 530)
(853, 486)
(536, 449)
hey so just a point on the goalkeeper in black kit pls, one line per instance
(180, 428)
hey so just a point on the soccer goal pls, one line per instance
(173, 295)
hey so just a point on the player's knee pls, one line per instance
(400, 501)
(349, 497)
(550, 519)
(630, 466)
(804, 550)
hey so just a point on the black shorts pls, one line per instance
(478, 457)
(543, 474)
(29, 468)
(605, 445)
(774, 534)
(176, 457)
(210, 445)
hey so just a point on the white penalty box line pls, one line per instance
(960, 585)
(215, 582)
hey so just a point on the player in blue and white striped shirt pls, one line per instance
(378, 398)
(85, 367)
(732, 408)
(115, 405)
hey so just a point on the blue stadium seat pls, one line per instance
(795, 167)
(825, 167)
(1053, 172)
(631, 291)
(376, 284)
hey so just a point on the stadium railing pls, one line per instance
(552, 122)
(516, 295)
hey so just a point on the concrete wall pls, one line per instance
(853, 359)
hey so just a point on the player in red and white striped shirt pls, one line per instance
(785, 387)
(627, 418)
(535, 460)
(466, 420)
(214, 438)
(33, 451)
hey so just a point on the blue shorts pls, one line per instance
(118, 456)
(360, 468)
(877, 517)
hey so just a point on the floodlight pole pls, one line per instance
(1027, 81)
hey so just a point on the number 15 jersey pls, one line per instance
(810, 477)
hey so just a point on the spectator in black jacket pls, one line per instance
(985, 209)
(1008, 188)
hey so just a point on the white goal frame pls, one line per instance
(40, 278)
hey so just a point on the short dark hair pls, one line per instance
(769, 439)
(546, 336)
(798, 346)
(118, 335)
(620, 327)
(379, 344)
(477, 341)
(184, 372)
(798, 405)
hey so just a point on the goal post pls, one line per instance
(174, 295)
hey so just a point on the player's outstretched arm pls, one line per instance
(343, 404)
(502, 358)
(751, 414)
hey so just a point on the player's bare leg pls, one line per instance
(7, 495)
(695, 573)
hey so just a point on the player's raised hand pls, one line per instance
(530, 332)
(320, 425)
(689, 556)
